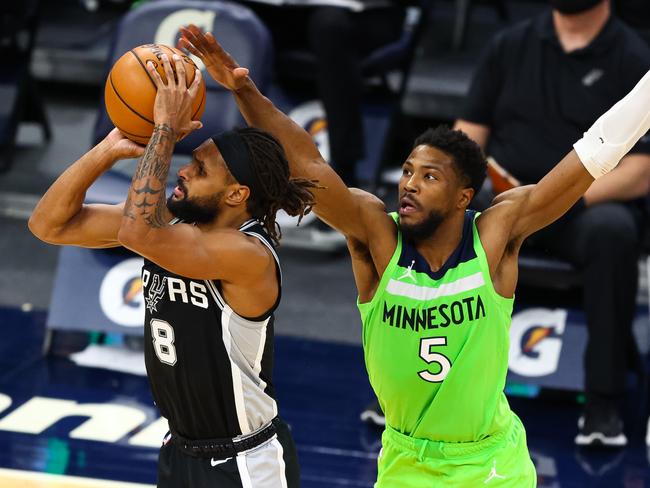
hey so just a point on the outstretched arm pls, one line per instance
(61, 216)
(335, 204)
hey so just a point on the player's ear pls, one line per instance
(237, 194)
(465, 197)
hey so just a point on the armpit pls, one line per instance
(358, 250)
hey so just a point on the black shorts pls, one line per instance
(272, 464)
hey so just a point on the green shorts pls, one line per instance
(501, 460)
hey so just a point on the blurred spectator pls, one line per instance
(339, 38)
(539, 85)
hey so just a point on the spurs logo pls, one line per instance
(493, 473)
(155, 292)
(409, 272)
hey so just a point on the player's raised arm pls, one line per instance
(340, 208)
(596, 154)
(61, 216)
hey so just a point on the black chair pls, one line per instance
(396, 56)
(20, 98)
(462, 17)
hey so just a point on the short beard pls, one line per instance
(422, 230)
(198, 210)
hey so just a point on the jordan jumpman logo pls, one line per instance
(493, 473)
(409, 272)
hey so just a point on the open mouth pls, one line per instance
(407, 206)
(179, 191)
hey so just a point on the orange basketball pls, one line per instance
(130, 92)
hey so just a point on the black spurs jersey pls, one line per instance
(209, 369)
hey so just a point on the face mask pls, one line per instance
(573, 6)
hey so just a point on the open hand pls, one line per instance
(173, 105)
(221, 65)
(121, 147)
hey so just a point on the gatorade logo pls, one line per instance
(536, 341)
(169, 27)
(120, 294)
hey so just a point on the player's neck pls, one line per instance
(226, 220)
(437, 248)
(578, 30)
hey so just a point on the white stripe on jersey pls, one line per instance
(283, 468)
(215, 294)
(248, 224)
(243, 472)
(238, 392)
(418, 292)
(257, 367)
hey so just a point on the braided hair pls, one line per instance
(275, 188)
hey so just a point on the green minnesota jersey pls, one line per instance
(436, 343)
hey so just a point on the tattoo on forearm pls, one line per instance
(146, 189)
(157, 218)
(150, 163)
(127, 208)
(150, 178)
(144, 204)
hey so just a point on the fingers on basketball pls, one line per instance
(180, 71)
(131, 89)
(169, 72)
(194, 87)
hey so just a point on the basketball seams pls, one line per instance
(110, 79)
(144, 68)
(198, 109)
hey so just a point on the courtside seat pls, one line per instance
(539, 269)
(239, 31)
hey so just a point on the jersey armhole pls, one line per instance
(385, 277)
(215, 286)
(278, 275)
(485, 267)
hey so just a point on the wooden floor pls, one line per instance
(12, 478)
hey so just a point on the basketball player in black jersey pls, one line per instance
(211, 284)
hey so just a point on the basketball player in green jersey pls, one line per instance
(436, 281)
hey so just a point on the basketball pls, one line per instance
(129, 93)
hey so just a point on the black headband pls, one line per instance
(236, 154)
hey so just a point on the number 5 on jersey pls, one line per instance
(162, 335)
(434, 357)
